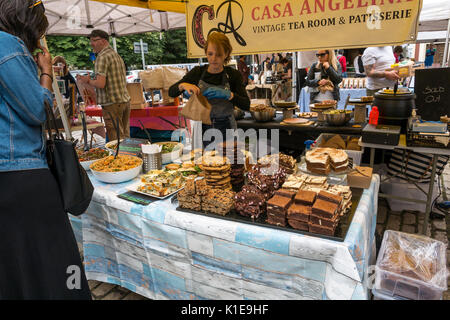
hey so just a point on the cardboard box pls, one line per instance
(360, 177)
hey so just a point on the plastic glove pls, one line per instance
(217, 93)
(186, 95)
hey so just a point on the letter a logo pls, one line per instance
(74, 280)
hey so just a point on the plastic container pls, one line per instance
(411, 266)
(352, 154)
(380, 295)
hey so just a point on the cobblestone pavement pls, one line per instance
(405, 221)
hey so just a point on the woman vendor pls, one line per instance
(322, 74)
(221, 85)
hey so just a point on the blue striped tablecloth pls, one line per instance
(162, 253)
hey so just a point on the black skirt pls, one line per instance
(39, 257)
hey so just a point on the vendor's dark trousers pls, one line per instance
(119, 111)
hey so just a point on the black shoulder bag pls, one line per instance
(74, 185)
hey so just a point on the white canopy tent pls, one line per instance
(434, 23)
(80, 17)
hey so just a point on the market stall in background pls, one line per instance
(288, 208)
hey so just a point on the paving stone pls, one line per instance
(115, 294)
(408, 228)
(134, 296)
(102, 290)
(439, 224)
(441, 236)
(382, 213)
(93, 284)
(409, 218)
(380, 229)
(393, 223)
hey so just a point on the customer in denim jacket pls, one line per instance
(37, 244)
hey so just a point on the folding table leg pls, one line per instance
(429, 195)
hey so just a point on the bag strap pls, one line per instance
(51, 120)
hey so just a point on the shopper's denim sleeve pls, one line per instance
(21, 88)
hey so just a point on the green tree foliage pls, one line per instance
(163, 48)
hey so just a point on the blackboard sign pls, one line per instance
(432, 89)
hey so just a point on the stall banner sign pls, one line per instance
(255, 26)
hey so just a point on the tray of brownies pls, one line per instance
(271, 193)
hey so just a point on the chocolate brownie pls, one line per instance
(327, 196)
(299, 225)
(321, 230)
(278, 202)
(329, 223)
(286, 193)
(299, 212)
(276, 220)
(324, 209)
(305, 197)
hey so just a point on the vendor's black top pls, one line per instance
(330, 74)
(240, 98)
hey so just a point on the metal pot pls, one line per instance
(394, 109)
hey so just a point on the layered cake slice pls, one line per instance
(284, 192)
(328, 196)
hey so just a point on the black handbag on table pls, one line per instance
(74, 185)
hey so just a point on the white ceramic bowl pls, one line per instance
(117, 177)
(174, 155)
(110, 146)
(86, 164)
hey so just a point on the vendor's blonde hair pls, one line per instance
(222, 44)
(332, 60)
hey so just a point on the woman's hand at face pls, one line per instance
(190, 88)
(44, 60)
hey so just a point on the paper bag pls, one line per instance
(152, 79)
(328, 86)
(172, 75)
(197, 108)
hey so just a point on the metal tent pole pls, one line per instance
(445, 57)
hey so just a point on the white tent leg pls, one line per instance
(445, 58)
(114, 44)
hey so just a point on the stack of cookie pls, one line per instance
(250, 202)
(217, 171)
(233, 150)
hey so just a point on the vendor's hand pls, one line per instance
(322, 82)
(84, 79)
(189, 88)
(326, 65)
(44, 60)
(391, 75)
(217, 93)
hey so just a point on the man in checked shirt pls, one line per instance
(111, 85)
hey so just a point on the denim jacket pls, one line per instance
(22, 113)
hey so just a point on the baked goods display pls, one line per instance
(287, 162)
(325, 104)
(267, 178)
(261, 108)
(250, 201)
(277, 208)
(161, 182)
(234, 151)
(217, 171)
(337, 142)
(323, 160)
(198, 196)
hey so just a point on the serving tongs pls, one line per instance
(146, 132)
